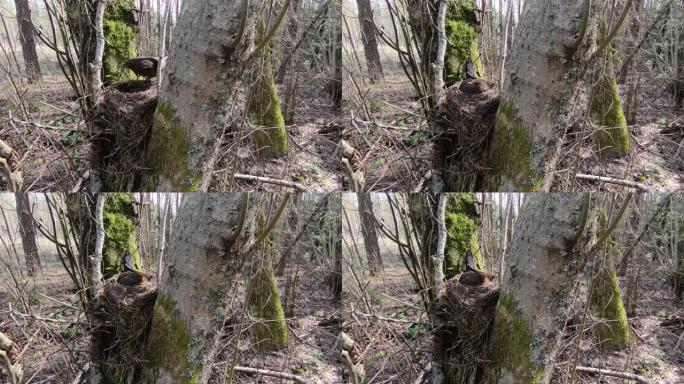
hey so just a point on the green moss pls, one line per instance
(119, 29)
(462, 29)
(461, 222)
(511, 152)
(606, 108)
(170, 151)
(169, 345)
(270, 139)
(119, 224)
(266, 307)
(512, 348)
(612, 332)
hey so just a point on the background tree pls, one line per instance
(370, 237)
(370, 43)
(28, 233)
(28, 43)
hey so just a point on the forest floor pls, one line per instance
(388, 323)
(312, 352)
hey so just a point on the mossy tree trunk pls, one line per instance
(120, 223)
(270, 330)
(370, 236)
(612, 139)
(370, 42)
(120, 40)
(612, 332)
(270, 136)
(535, 100)
(540, 268)
(201, 263)
(462, 30)
(210, 41)
(462, 222)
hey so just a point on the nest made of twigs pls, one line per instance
(123, 124)
(469, 116)
(468, 308)
(127, 309)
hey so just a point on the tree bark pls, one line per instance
(210, 42)
(370, 42)
(28, 43)
(541, 266)
(370, 236)
(28, 233)
(535, 103)
(204, 259)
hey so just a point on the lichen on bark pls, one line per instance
(270, 137)
(462, 29)
(119, 29)
(606, 110)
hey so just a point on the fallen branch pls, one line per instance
(268, 180)
(608, 372)
(611, 180)
(267, 372)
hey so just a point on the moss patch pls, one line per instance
(266, 307)
(119, 27)
(512, 348)
(511, 152)
(169, 345)
(462, 29)
(461, 222)
(119, 223)
(270, 139)
(170, 151)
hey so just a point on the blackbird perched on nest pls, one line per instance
(471, 276)
(130, 276)
(472, 84)
(143, 66)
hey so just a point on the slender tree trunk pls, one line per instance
(370, 236)
(541, 265)
(210, 41)
(289, 43)
(462, 224)
(28, 43)
(370, 43)
(202, 264)
(28, 233)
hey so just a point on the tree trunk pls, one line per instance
(370, 43)
(535, 103)
(209, 42)
(370, 236)
(119, 30)
(120, 222)
(28, 233)
(289, 43)
(204, 259)
(462, 31)
(541, 267)
(28, 43)
(462, 223)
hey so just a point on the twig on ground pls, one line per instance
(611, 180)
(267, 372)
(268, 180)
(608, 372)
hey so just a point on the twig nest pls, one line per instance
(126, 100)
(127, 308)
(467, 110)
(468, 308)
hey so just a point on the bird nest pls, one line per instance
(465, 125)
(462, 323)
(124, 315)
(123, 123)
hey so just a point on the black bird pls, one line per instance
(128, 262)
(471, 276)
(470, 70)
(143, 66)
